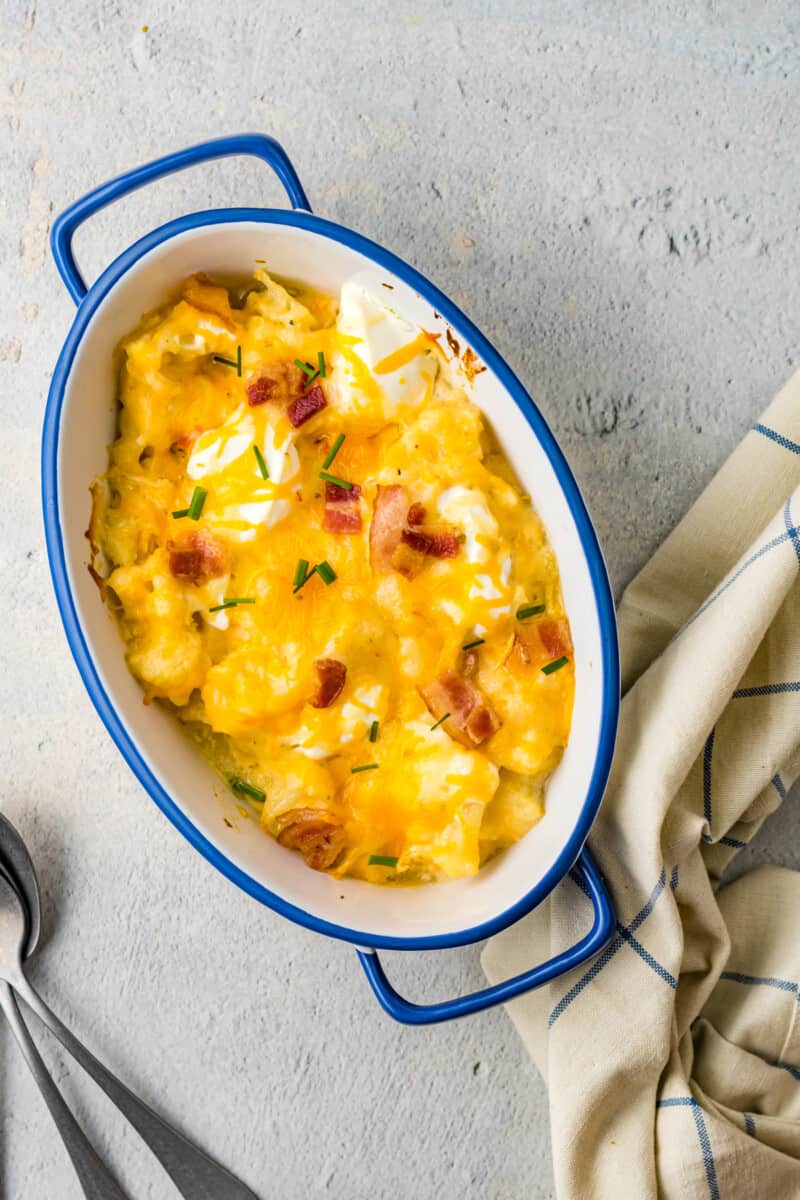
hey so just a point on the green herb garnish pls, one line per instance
(373, 731)
(325, 572)
(262, 466)
(366, 767)
(382, 860)
(472, 645)
(334, 450)
(554, 666)
(531, 610)
(440, 721)
(195, 505)
(322, 370)
(300, 573)
(342, 483)
(232, 602)
(304, 366)
(230, 362)
(247, 789)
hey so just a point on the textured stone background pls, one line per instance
(611, 191)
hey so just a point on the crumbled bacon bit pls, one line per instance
(543, 641)
(332, 675)
(342, 510)
(306, 406)
(471, 719)
(316, 833)
(281, 381)
(198, 557)
(398, 539)
(438, 543)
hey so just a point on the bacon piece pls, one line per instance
(306, 406)
(432, 541)
(544, 641)
(471, 719)
(198, 557)
(386, 528)
(342, 512)
(332, 675)
(281, 381)
(397, 538)
(202, 293)
(317, 834)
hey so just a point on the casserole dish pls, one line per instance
(79, 424)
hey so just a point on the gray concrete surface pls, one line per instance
(611, 191)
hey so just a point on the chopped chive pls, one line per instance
(321, 368)
(556, 665)
(304, 366)
(366, 767)
(440, 721)
(181, 512)
(326, 572)
(531, 610)
(472, 645)
(230, 362)
(342, 483)
(305, 579)
(196, 503)
(300, 573)
(233, 602)
(382, 860)
(262, 466)
(373, 731)
(247, 789)
(334, 450)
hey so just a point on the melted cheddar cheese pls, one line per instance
(201, 559)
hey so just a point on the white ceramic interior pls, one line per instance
(88, 424)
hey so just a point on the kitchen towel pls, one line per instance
(673, 1059)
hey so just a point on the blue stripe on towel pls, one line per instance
(702, 1137)
(790, 528)
(749, 1124)
(708, 751)
(784, 985)
(620, 938)
(789, 535)
(646, 956)
(793, 1071)
(777, 783)
(767, 689)
(774, 436)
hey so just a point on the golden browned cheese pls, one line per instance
(294, 689)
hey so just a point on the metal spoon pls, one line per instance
(195, 1175)
(97, 1181)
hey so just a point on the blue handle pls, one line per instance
(588, 879)
(258, 144)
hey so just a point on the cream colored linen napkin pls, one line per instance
(673, 1059)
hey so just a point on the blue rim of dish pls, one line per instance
(126, 745)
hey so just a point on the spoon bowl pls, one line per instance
(13, 930)
(18, 866)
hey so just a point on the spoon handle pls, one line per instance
(96, 1180)
(195, 1175)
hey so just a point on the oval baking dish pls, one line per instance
(80, 422)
